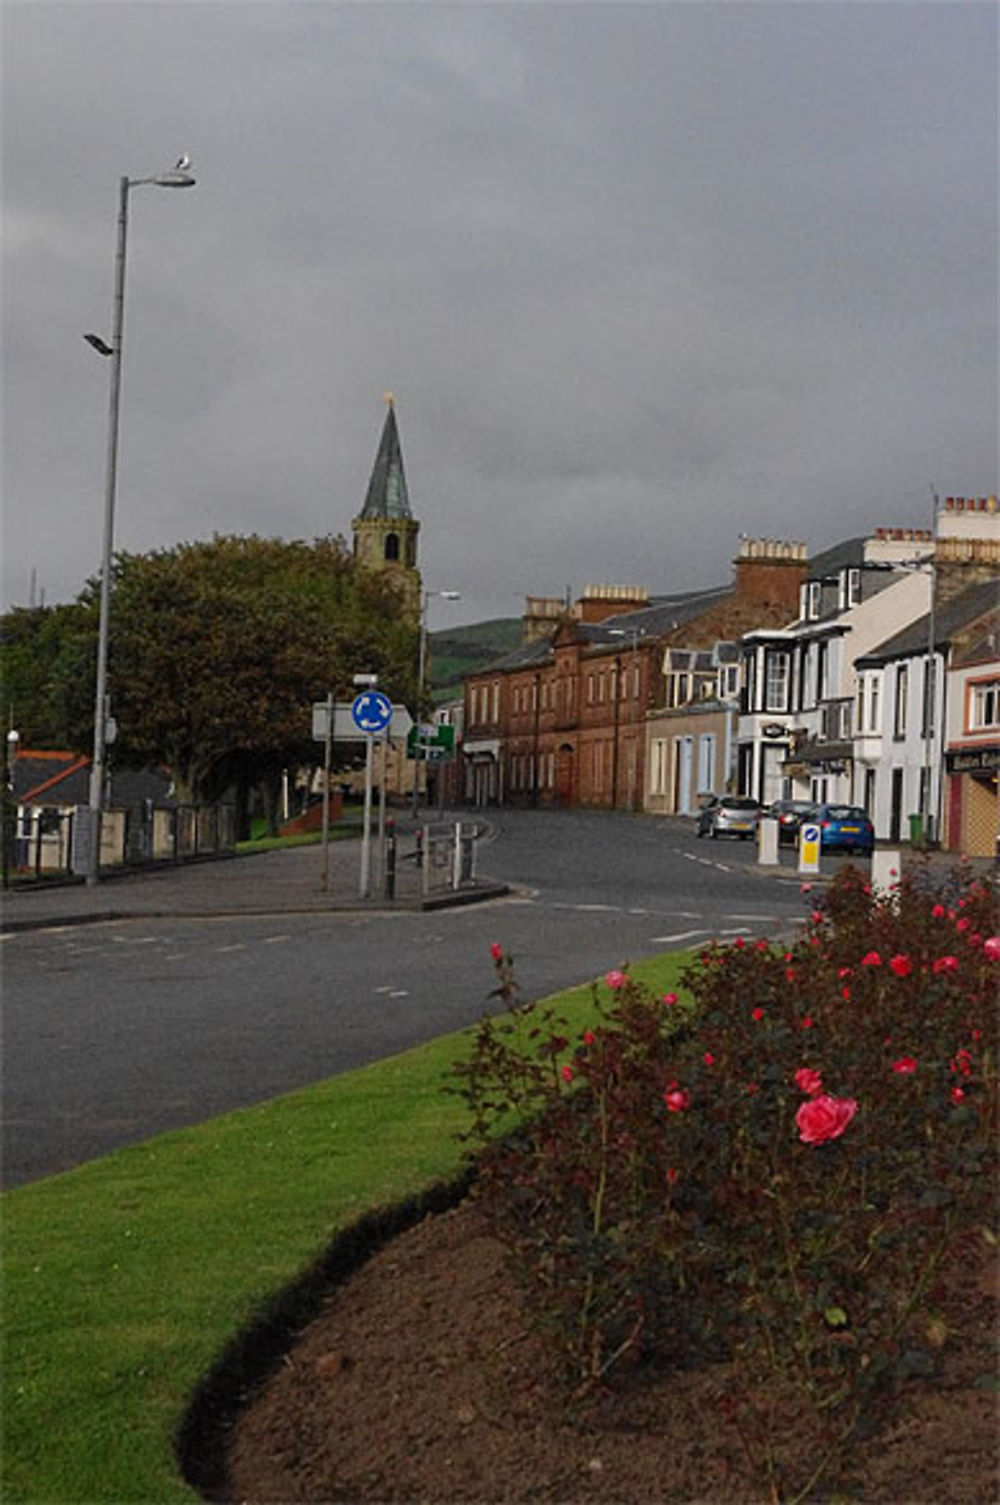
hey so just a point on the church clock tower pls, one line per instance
(385, 531)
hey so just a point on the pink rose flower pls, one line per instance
(567, 1072)
(757, 1014)
(872, 959)
(905, 1066)
(823, 1118)
(901, 965)
(963, 923)
(676, 1098)
(938, 911)
(809, 1081)
(845, 994)
(669, 999)
(991, 947)
(817, 916)
(957, 1094)
(615, 979)
(807, 1023)
(496, 951)
(843, 972)
(589, 1037)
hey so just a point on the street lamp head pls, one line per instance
(101, 346)
(175, 179)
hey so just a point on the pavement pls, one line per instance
(291, 880)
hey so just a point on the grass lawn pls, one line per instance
(124, 1279)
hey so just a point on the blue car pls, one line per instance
(843, 828)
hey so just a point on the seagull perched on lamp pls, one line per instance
(183, 163)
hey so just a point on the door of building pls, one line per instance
(896, 808)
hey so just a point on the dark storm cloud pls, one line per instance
(642, 277)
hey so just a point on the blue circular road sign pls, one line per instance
(371, 712)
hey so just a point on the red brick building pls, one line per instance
(562, 720)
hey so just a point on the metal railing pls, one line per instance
(47, 842)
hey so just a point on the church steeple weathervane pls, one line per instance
(385, 531)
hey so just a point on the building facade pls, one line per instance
(567, 718)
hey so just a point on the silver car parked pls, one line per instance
(729, 815)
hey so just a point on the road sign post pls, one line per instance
(326, 789)
(371, 712)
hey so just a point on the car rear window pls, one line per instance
(845, 812)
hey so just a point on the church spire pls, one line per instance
(387, 494)
(385, 531)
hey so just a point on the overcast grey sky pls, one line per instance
(642, 278)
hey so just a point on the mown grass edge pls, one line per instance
(129, 1281)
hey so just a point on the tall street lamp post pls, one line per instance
(621, 688)
(421, 676)
(180, 177)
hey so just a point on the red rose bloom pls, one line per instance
(946, 964)
(823, 1118)
(901, 965)
(809, 1081)
(676, 1098)
(905, 1066)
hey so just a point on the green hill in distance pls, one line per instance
(455, 652)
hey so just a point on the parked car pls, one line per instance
(843, 828)
(789, 814)
(729, 815)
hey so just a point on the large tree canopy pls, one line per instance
(218, 651)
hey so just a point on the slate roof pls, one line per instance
(848, 555)
(951, 617)
(61, 779)
(387, 494)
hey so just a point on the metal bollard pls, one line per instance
(390, 859)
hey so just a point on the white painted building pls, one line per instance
(843, 703)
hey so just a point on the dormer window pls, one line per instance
(849, 588)
(814, 599)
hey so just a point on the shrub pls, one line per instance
(780, 1172)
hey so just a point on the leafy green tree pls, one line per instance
(217, 652)
(220, 649)
(47, 666)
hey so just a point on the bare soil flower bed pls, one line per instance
(418, 1381)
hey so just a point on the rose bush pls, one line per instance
(777, 1170)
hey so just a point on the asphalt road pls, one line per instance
(116, 1031)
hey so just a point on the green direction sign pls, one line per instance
(433, 742)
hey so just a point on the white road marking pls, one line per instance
(400, 993)
(238, 946)
(274, 940)
(682, 935)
